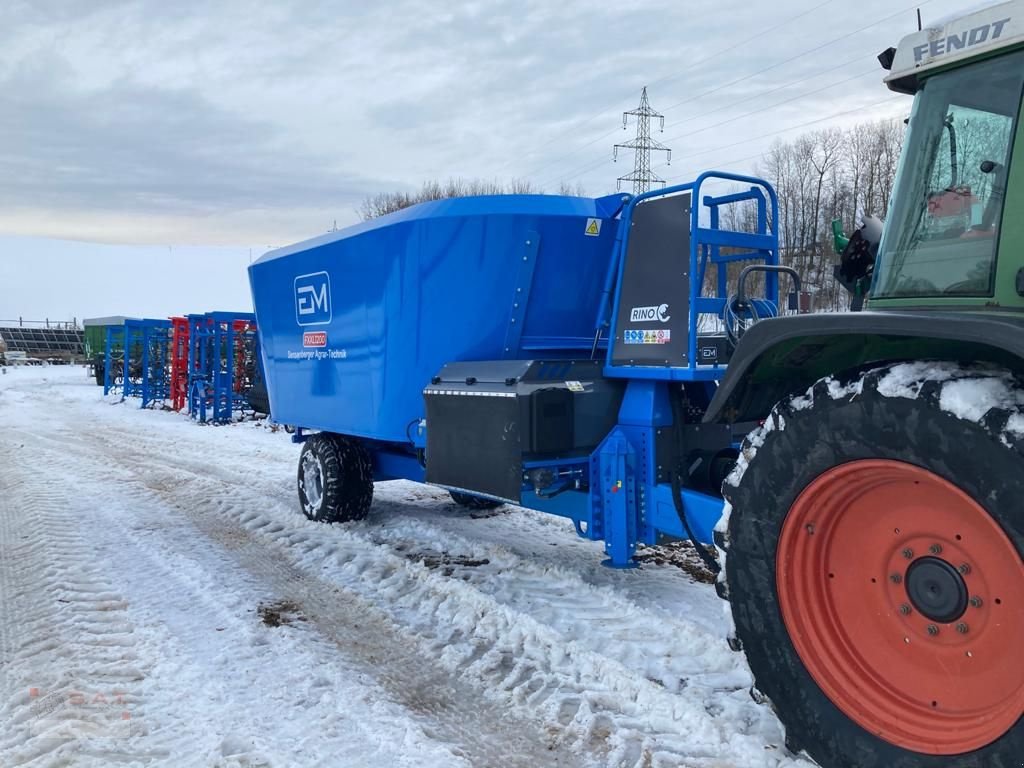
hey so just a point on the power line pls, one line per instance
(762, 94)
(792, 128)
(805, 124)
(582, 170)
(799, 55)
(642, 177)
(589, 166)
(719, 124)
(729, 49)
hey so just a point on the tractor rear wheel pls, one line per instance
(335, 479)
(874, 567)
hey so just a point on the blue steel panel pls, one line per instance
(524, 282)
(702, 512)
(617, 485)
(411, 291)
(705, 246)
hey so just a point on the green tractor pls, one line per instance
(875, 521)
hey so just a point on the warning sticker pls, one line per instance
(574, 386)
(640, 336)
(593, 227)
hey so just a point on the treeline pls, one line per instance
(389, 202)
(819, 176)
(825, 175)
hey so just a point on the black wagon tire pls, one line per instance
(335, 479)
(473, 502)
(873, 563)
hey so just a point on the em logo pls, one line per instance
(313, 299)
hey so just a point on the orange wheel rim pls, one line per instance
(903, 599)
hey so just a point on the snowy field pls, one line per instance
(163, 602)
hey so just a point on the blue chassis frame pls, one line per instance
(625, 505)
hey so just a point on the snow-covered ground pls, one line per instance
(163, 602)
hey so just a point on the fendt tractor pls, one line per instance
(633, 365)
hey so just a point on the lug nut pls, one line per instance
(964, 569)
(935, 549)
(933, 630)
(895, 578)
(962, 628)
(977, 602)
(908, 553)
(905, 609)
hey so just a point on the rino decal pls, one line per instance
(649, 314)
(313, 299)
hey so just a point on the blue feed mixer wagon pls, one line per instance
(540, 350)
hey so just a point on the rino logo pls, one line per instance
(649, 314)
(313, 299)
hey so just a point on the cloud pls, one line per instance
(234, 122)
(129, 148)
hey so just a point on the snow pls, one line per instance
(968, 393)
(160, 570)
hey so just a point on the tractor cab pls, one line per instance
(874, 530)
(948, 240)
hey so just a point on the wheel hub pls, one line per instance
(936, 590)
(904, 599)
(312, 482)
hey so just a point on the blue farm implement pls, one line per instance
(223, 364)
(545, 351)
(136, 357)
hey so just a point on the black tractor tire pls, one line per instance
(839, 421)
(473, 502)
(335, 479)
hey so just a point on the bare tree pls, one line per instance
(569, 190)
(389, 202)
(825, 175)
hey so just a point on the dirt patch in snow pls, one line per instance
(680, 554)
(444, 562)
(279, 613)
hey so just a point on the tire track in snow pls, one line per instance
(357, 556)
(70, 667)
(481, 730)
(594, 701)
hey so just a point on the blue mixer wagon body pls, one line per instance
(540, 350)
(460, 279)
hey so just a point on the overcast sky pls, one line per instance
(149, 148)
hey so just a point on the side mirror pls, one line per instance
(857, 261)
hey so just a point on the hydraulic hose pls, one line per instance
(710, 562)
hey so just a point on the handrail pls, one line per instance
(703, 240)
(741, 295)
